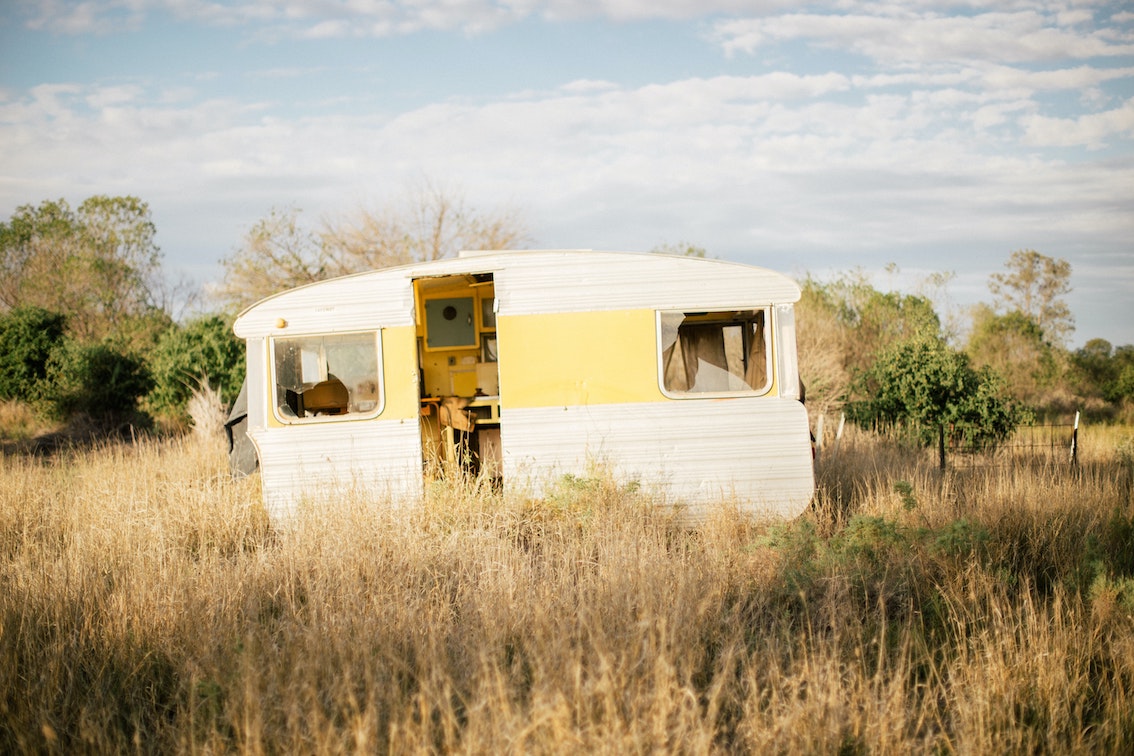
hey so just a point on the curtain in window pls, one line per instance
(710, 357)
(756, 376)
(697, 360)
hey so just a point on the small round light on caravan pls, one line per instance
(281, 323)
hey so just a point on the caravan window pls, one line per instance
(714, 352)
(326, 376)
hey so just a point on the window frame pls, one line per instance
(769, 361)
(318, 419)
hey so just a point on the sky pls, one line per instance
(896, 139)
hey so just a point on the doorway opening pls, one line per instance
(459, 382)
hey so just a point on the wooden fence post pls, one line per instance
(1075, 441)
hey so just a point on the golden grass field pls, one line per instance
(145, 605)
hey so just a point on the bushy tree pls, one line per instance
(876, 318)
(1034, 285)
(431, 223)
(204, 350)
(278, 253)
(98, 265)
(844, 323)
(27, 337)
(1101, 370)
(60, 376)
(1013, 345)
(926, 387)
(1123, 387)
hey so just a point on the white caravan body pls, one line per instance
(679, 373)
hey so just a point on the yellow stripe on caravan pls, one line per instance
(578, 358)
(399, 373)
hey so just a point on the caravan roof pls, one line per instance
(527, 281)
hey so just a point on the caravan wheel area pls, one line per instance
(523, 366)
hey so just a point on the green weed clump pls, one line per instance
(147, 605)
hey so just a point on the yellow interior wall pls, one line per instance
(578, 358)
(438, 365)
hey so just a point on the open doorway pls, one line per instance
(459, 381)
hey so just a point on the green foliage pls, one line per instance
(95, 379)
(905, 490)
(870, 542)
(961, 538)
(27, 337)
(97, 265)
(1101, 370)
(1113, 590)
(61, 376)
(922, 385)
(844, 323)
(874, 558)
(204, 350)
(877, 318)
(1123, 388)
(799, 544)
(1014, 345)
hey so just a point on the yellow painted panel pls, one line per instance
(399, 373)
(578, 358)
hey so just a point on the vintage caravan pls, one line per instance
(679, 373)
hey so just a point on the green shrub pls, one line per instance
(96, 380)
(924, 386)
(27, 336)
(204, 350)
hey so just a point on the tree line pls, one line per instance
(87, 327)
(888, 360)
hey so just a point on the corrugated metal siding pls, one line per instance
(354, 303)
(313, 461)
(756, 451)
(580, 282)
(526, 282)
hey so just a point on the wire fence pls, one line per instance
(1053, 442)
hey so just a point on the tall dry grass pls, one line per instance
(145, 605)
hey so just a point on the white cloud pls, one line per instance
(113, 95)
(1012, 37)
(583, 86)
(772, 142)
(1092, 130)
(926, 31)
(1079, 77)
